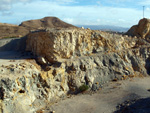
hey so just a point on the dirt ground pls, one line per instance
(107, 99)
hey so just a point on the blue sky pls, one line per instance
(123, 13)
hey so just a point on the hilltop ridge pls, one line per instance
(10, 30)
(47, 22)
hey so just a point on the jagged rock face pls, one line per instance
(80, 56)
(57, 44)
(25, 88)
(141, 30)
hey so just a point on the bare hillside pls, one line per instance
(47, 22)
(10, 30)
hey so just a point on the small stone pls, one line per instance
(41, 60)
(82, 27)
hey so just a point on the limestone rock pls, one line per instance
(79, 56)
(57, 44)
(41, 60)
(141, 30)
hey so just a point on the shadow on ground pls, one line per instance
(14, 49)
(135, 106)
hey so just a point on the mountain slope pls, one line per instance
(10, 30)
(47, 22)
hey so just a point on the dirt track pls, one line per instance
(105, 100)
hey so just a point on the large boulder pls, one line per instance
(57, 44)
(54, 45)
(141, 30)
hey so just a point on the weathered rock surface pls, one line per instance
(79, 56)
(141, 30)
(25, 88)
(90, 57)
(57, 44)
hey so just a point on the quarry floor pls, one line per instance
(107, 99)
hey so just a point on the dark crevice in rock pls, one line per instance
(21, 91)
(147, 65)
(83, 67)
(54, 72)
(43, 82)
(86, 80)
(111, 62)
(1, 93)
(70, 68)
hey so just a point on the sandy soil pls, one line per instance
(105, 100)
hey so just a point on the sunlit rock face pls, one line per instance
(141, 30)
(57, 44)
(67, 59)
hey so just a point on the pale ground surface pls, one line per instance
(105, 100)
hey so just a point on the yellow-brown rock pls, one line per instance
(141, 30)
(56, 44)
(83, 56)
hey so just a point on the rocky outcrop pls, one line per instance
(57, 44)
(141, 30)
(70, 58)
(25, 87)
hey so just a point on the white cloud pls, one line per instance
(147, 8)
(121, 20)
(69, 20)
(6, 5)
(62, 2)
(81, 15)
(144, 2)
(65, 1)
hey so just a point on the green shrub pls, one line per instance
(9, 37)
(83, 88)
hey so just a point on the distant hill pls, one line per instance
(47, 22)
(10, 30)
(105, 28)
